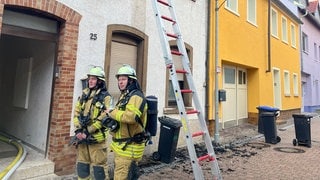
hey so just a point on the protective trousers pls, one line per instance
(126, 168)
(95, 155)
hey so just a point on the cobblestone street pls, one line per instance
(258, 160)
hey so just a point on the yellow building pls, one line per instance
(257, 65)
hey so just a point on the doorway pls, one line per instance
(234, 109)
(276, 88)
(27, 61)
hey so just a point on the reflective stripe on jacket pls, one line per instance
(94, 112)
(126, 116)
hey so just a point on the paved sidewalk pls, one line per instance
(292, 162)
(268, 163)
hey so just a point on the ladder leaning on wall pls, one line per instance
(182, 53)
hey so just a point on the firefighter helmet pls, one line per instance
(127, 70)
(97, 71)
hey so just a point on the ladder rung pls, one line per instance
(200, 133)
(168, 19)
(192, 112)
(163, 2)
(186, 90)
(176, 53)
(210, 158)
(181, 71)
(172, 35)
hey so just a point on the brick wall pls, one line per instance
(58, 150)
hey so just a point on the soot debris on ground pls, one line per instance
(230, 158)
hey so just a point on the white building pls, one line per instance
(48, 46)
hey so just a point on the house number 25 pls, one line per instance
(93, 36)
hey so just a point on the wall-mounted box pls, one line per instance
(222, 95)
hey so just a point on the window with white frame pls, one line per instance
(242, 77)
(295, 85)
(293, 35)
(316, 87)
(232, 5)
(319, 53)
(286, 83)
(284, 29)
(274, 23)
(252, 11)
(305, 47)
(315, 49)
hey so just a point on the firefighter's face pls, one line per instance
(92, 81)
(122, 82)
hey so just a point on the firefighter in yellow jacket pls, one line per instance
(91, 136)
(130, 115)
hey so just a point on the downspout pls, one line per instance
(269, 38)
(216, 86)
(207, 102)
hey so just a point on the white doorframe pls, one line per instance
(277, 88)
(236, 94)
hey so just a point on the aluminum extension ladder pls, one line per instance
(168, 53)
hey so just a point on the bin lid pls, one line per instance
(175, 123)
(152, 98)
(268, 108)
(267, 114)
(301, 115)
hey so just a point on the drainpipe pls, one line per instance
(216, 86)
(207, 106)
(269, 38)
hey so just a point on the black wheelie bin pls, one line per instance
(265, 109)
(302, 123)
(270, 127)
(168, 140)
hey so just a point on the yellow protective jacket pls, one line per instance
(127, 112)
(90, 110)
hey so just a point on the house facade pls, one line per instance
(48, 46)
(310, 56)
(259, 62)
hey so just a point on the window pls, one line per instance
(293, 35)
(171, 96)
(286, 83)
(305, 43)
(284, 30)
(242, 78)
(232, 5)
(171, 104)
(252, 12)
(295, 84)
(315, 51)
(316, 87)
(274, 23)
(229, 75)
(122, 38)
(319, 53)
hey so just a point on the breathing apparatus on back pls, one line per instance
(133, 88)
